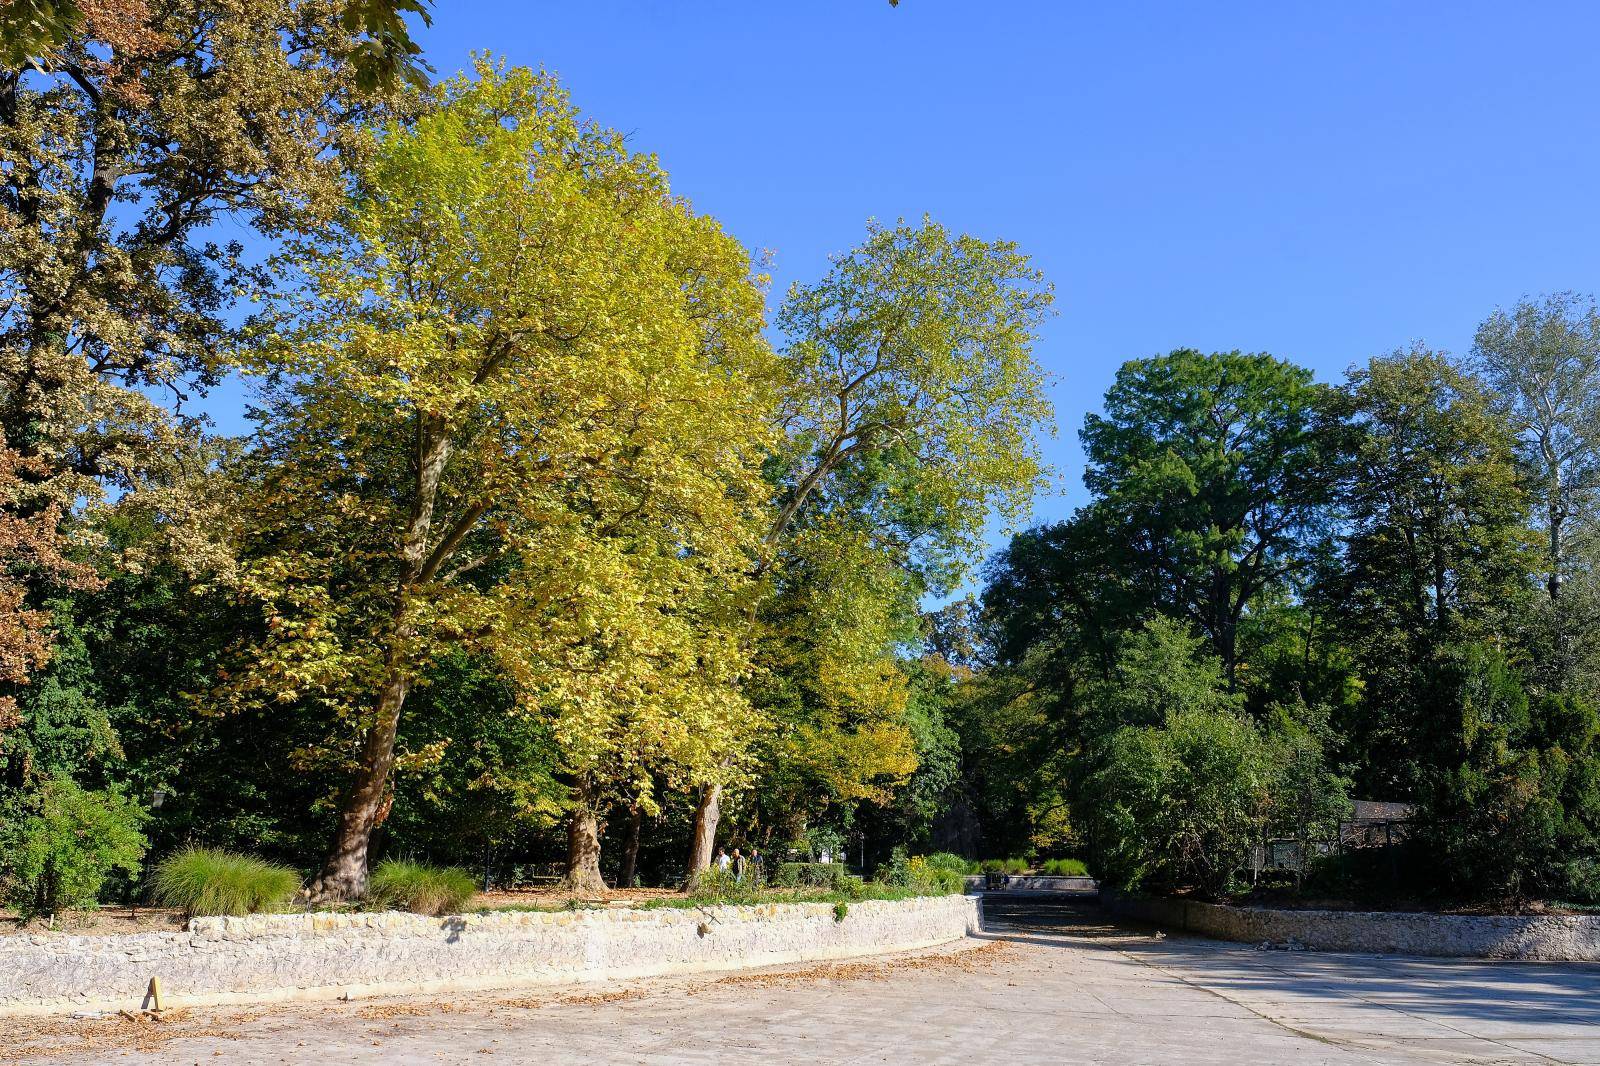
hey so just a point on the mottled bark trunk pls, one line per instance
(583, 843)
(345, 874)
(630, 849)
(707, 812)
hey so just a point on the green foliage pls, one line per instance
(719, 886)
(1186, 801)
(1214, 473)
(514, 295)
(205, 881)
(413, 886)
(809, 875)
(61, 846)
(841, 911)
(1065, 868)
(1514, 810)
(922, 875)
(479, 773)
(912, 410)
(1004, 866)
(1437, 554)
(945, 860)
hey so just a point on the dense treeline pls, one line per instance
(559, 539)
(547, 544)
(1285, 594)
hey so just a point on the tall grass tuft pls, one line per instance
(203, 881)
(411, 886)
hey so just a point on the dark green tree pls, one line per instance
(1215, 473)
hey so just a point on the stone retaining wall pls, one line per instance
(324, 956)
(1574, 938)
(1036, 883)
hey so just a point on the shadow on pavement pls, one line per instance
(1522, 993)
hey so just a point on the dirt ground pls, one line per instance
(109, 921)
(106, 921)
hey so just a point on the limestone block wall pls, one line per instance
(1573, 938)
(310, 956)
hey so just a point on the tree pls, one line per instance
(831, 681)
(1187, 800)
(517, 411)
(911, 410)
(33, 553)
(1179, 785)
(36, 30)
(1435, 553)
(915, 351)
(1543, 362)
(1215, 473)
(126, 131)
(1511, 807)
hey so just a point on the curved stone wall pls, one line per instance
(1572, 938)
(324, 956)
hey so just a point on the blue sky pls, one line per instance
(1324, 182)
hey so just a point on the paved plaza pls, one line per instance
(1051, 981)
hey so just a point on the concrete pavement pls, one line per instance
(1050, 981)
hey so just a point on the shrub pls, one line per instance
(841, 911)
(412, 886)
(1066, 868)
(1192, 796)
(1016, 866)
(933, 880)
(1004, 866)
(945, 860)
(59, 854)
(920, 875)
(204, 881)
(809, 875)
(850, 887)
(717, 885)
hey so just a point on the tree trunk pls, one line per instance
(345, 874)
(706, 815)
(583, 843)
(630, 850)
(1557, 520)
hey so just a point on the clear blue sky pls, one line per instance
(1324, 182)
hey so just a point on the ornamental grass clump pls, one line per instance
(399, 885)
(946, 860)
(204, 881)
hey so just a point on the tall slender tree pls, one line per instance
(1436, 552)
(911, 414)
(1543, 362)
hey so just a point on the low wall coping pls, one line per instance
(1555, 937)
